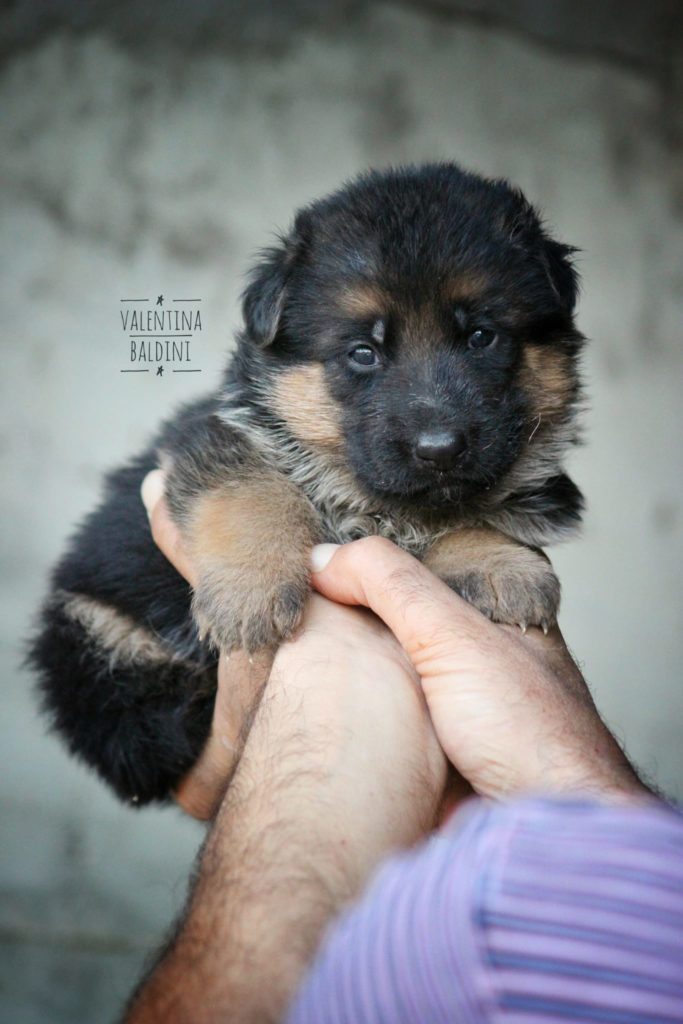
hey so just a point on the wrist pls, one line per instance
(597, 767)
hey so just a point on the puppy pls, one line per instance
(407, 367)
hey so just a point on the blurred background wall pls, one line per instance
(150, 148)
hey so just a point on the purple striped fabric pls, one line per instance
(529, 912)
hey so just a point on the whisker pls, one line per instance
(538, 423)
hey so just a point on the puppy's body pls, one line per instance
(407, 368)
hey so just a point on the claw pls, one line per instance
(523, 626)
(545, 627)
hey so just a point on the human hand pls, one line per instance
(511, 710)
(240, 680)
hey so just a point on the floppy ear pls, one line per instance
(264, 297)
(564, 279)
(524, 226)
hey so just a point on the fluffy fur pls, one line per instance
(407, 367)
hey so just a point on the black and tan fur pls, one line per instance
(407, 368)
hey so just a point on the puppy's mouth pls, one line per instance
(400, 476)
(437, 489)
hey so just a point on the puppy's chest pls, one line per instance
(341, 526)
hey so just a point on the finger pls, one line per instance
(166, 534)
(241, 682)
(200, 792)
(418, 608)
(152, 489)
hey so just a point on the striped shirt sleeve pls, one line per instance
(530, 912)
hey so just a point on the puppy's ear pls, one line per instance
(524, 227)
(559, 266)
(264, 297)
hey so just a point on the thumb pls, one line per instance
(422, 612)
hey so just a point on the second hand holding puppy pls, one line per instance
(240, 678)
(512, 711)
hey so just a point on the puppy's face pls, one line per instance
(420, 323)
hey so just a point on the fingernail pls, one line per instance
(321, 555)
(152, 489)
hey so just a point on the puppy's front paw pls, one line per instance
(505, 580)
(249, 540)
(520, 589)
(238, 612)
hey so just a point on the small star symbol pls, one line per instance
(160, 300)
(160, 371)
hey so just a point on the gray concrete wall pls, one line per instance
(153, 157)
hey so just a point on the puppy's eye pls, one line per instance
(483, 337)
(363, 355)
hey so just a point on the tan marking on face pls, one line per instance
(301, 398)
(116, 633)
(363, 301)
(420, 330)
(465, 287)
(548, 379)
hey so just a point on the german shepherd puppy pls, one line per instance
(407, 367)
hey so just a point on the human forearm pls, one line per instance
(245, 941)
(311, 810)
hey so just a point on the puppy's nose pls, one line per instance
(441, 447)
